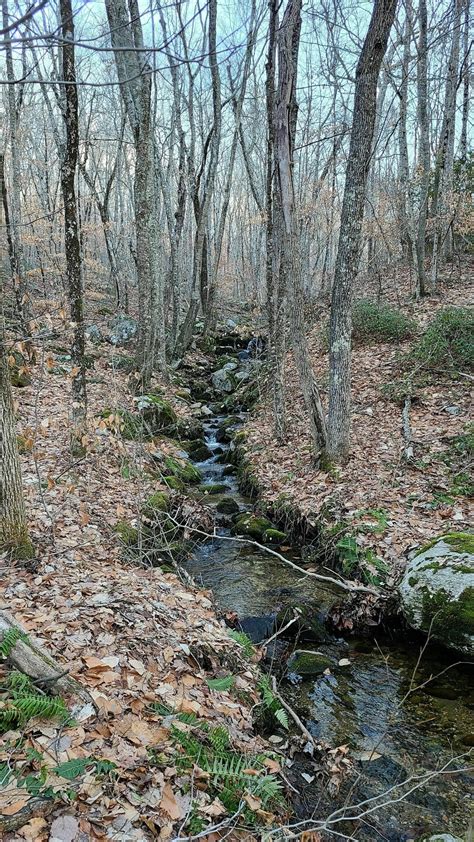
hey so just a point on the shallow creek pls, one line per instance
(364, 704)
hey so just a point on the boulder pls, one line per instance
(252, 526)
(274, 536)
(437, 591)
(19, 371)
(222, 379)
(227, 506)
(123, 329)
(307, 662)
(94, 334)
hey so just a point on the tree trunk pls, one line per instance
(290, 277)
(350, 235)
(13, 525)
(72, 235)
(423, 175)
(15, 239)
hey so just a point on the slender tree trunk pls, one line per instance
(423, 168)
(15, 238)
(72, 235)
(13, 524)
(290, 277)
(442, 181)
(350, 235)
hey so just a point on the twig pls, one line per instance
(407, 429)
(280, 631)
(294, 716)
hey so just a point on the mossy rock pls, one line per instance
(252, 526)
(187, 473)
(229, 471)
(157, 412)
(127, 533)
(437, 591)
(274, 536)
(158, 502)
(174, 483)
(227, 506)
(121, 362)
(198, 450)
(307, 662)
(225, 430)
(19, 371)
(213, 489)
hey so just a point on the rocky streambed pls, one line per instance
(372, 694)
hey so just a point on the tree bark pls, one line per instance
(15, 238)
(72, 234)
(350, 235)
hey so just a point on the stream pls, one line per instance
(361, 704)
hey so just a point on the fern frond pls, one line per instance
(9, 639)
(282, 717)
(243, 640)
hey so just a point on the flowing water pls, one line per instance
(371, 704)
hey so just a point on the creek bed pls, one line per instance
(364, 704)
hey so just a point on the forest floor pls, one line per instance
(406, 501)
(134, 637)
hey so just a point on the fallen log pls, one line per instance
(29, 657)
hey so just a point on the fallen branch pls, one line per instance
(33, 809)
(28, 657)
(306, 734)
(406, 427)
(350, 587)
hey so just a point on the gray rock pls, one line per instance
(94, 334)
(230, 366)
(437, 591)
(242, 376)
(222, 380)
(230, 324)
(443, 837)
(123, 329)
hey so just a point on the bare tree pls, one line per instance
(350, 236)
(13, 525)
(14, 96)
(72, 235)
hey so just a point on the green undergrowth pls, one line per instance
(448, 341)
(372, 322)
(231, 775)
(21, 701)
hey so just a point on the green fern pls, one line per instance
(244, 641)
(21, 702)
(9, 639)
(271, 703)
(221, 684)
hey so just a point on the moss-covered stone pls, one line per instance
(127, 533)
(174, 483)
(19, 370)
(159, 501)
(198, 450)
(187, 473)
(252, 526)
(229, 471)
(121, 362)
(227, 506)
(437, 591)
(307, 662)
(213, 489)
(274, 536)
